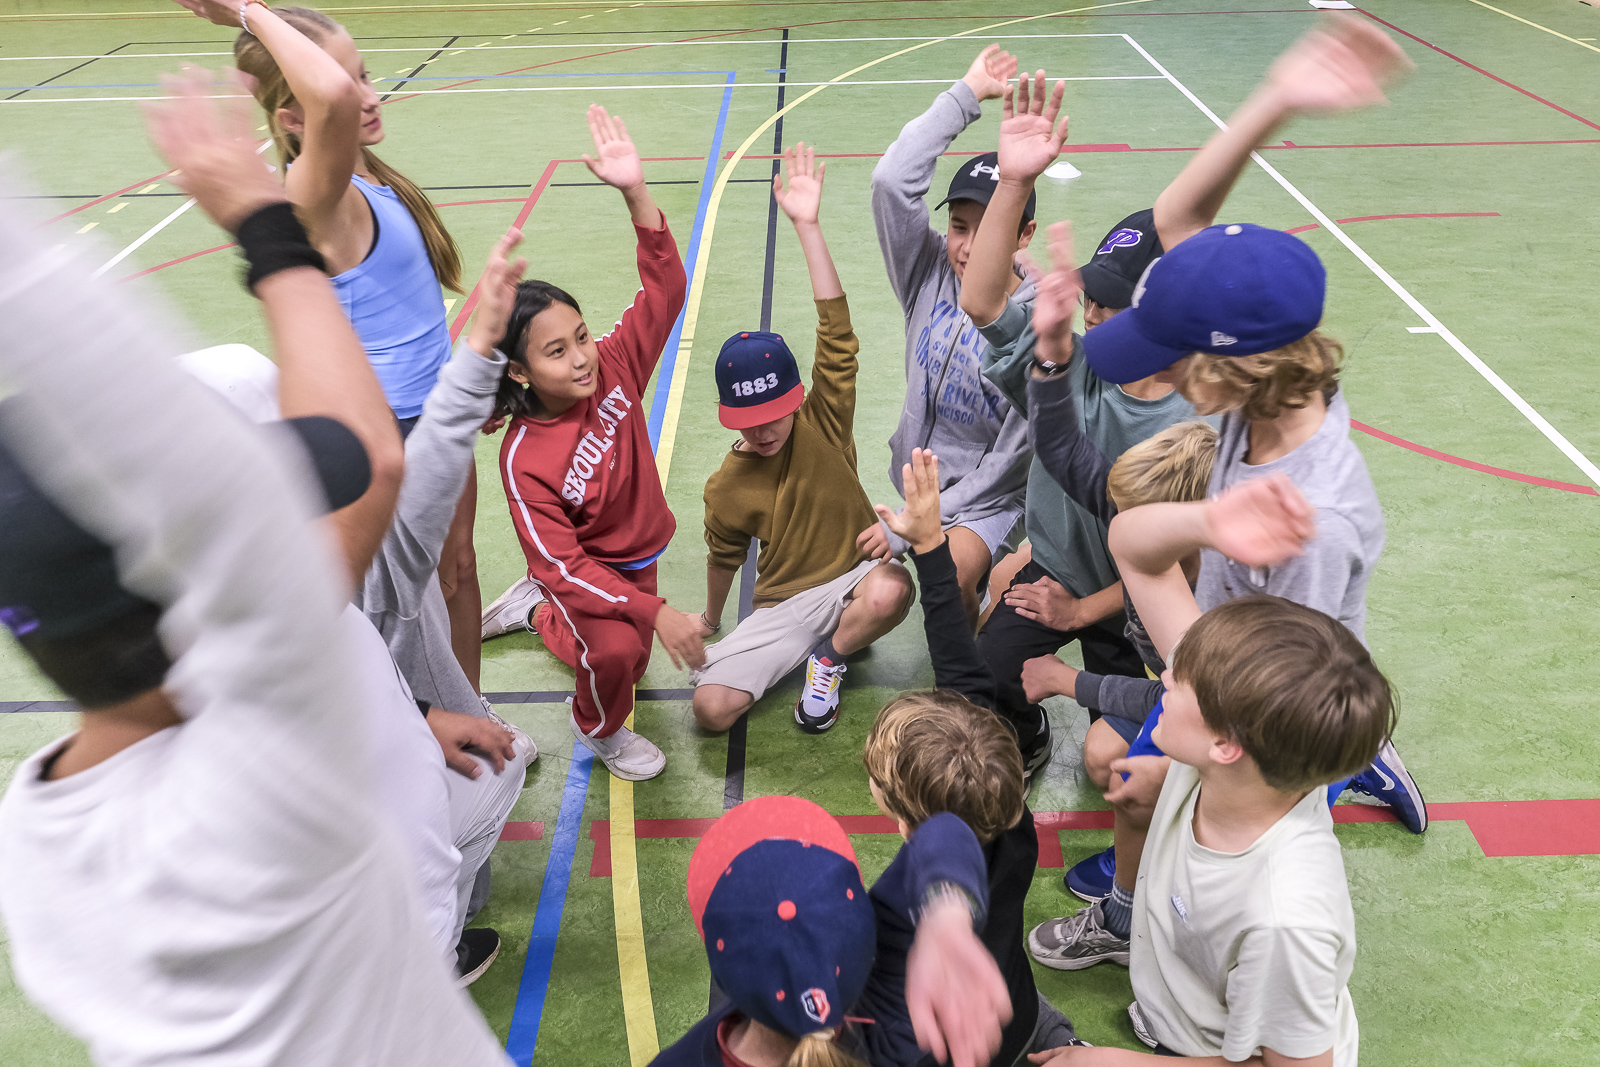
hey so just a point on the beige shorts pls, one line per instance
(773, 641)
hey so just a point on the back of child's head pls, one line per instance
(790, 934)
(1266, 385)
(1174, 466)
(935, 751)
(512, 399)
(1294, 687)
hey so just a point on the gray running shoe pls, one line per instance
(1141, 1029)
(1077, 941)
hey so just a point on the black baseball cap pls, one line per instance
(977, 179)
(59, 580)
(1113, 272)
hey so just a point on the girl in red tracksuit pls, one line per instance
(580, 475)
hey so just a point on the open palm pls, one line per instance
(1339, 68)
(1056, 298)
(1263, 522)
(801, 199)
(1029, 138)
(618, 163)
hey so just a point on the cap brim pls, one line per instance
(771, 411)
(763, 819)
(1119, 352)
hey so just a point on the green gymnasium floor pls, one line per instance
(1461, 287)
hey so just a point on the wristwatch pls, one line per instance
(1046, 368)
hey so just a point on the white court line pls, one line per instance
(157, 228)
(593, 44)
(586, 88)
(1434, 325)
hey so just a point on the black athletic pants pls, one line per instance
(1008, 640)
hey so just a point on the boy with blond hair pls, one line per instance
(1243, 934)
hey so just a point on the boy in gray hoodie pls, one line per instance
(950, 408)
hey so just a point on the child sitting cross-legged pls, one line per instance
(1243, 936)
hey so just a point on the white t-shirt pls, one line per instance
(1236, 952)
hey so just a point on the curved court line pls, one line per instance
(697, 282)
(1536, 26)
(1484, 468)
(1385, 218)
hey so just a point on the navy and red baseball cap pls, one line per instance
(1234, 290)
(1125, 253)
(776, 894)
(758, 380)
(977, 179)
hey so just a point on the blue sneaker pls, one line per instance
(1091, 879)
(1388, 781)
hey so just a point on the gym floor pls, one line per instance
(1457, 283)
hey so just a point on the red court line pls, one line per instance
(1402, 144)
(1381, 218)
(1480, 70)
(174, 262)
(1499, 472)
(1502, 828)
(522, 831)
(522, 216)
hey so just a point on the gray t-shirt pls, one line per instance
(1332, 576)
(1069, 542)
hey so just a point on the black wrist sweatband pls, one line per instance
(273, 239)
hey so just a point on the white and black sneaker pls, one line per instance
(475, 951)
(1077, 941)
(1037, 757)
(818, 707)
(512, 611)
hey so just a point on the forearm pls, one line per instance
(642, 207)
(825, 284)
(1152, 539)
(316, 79)
(719, 583)
(989, 265)
(1196, 195)
(1099, 606)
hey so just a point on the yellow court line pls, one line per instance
(1536, 26)
(680, 371)
(638, 1010)
(392, 8)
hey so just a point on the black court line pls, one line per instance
(402, 83)
(64, 73)
(548, 696)
(733, 776)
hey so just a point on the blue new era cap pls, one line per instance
(758, 380)
(1234, 290)
(789, 931)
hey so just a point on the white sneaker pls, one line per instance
(625, 754)
(818, 708)
(512, 612)
(525, 746)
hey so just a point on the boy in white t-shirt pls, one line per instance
(1243, 935)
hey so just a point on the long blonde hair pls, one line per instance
(272, 92)
(818, 1050)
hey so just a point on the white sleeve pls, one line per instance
(1283, 994)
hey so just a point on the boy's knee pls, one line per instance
(890, 593)
(1100, 746)
(718, 707)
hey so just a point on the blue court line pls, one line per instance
(669, 358)
(523, 1037)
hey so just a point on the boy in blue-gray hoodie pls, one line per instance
(950, 408)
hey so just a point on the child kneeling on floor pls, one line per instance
(1243, 935)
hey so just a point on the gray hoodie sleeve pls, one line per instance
(900, 182)
(1064, 450)
(1112, 694)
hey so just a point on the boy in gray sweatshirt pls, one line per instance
(950, 408)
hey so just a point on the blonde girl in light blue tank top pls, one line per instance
(387, 251)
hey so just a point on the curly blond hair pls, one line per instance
(1263, 386)
(1173, 466)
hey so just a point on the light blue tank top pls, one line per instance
(394, 302)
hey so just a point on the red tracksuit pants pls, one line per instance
(607, 655)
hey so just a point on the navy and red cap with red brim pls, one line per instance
(777, 896)
(1233, 290)
(758, 380)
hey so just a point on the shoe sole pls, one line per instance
(1140, 1030)
(1044, 959)
(809, 727)
(1085, 897)
(1395, 767)
(477, 972)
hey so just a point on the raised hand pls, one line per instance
(618, 163)
(802, 199)
(1030, 138)
(918, 522)
(221, 12)
(210, 141)
(497, 294)
(1056, 297)
(1261, 523)
(989, 73)
(1343, 65)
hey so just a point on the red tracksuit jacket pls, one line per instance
(583, 487)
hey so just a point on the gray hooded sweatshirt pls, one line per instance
(981, 441)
